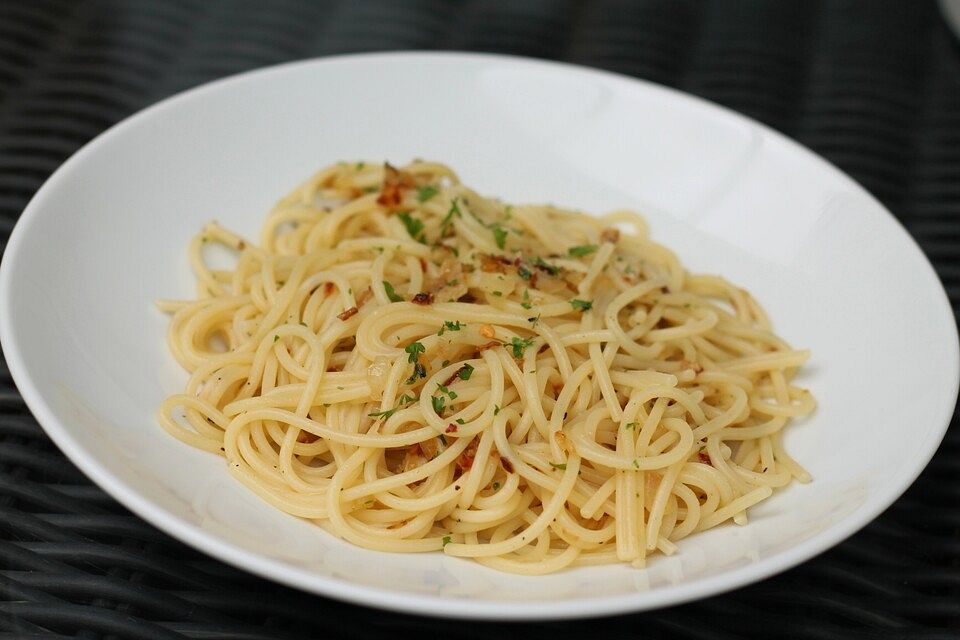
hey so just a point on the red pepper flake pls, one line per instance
(493, 264)
(456, 374)
(703, 457)
(349, 313)
(423, 298)
(610, 235)
(451, 428)
(394, 181)
(465, 461)
(365, 295)
(695, 366)
(327, 288)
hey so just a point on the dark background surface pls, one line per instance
(872, 86)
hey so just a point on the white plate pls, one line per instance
(107, 234)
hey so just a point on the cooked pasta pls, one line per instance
(415, 367)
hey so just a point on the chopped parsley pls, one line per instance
(549, 268)
(414, 349)
(438, 404)
(419, 371)
(425, 193)
(465, 372)
(443, 389)
(581, 305)
(562, 467)
(524, 273)
(636, 465)
(582, 250)
(520, 345)
(446, 540)
(499, 235)
(460, 421)
(630, 425)
(496, 409)
(275, 338)
(391, 292)
(498, 294)
(413, 225)
(448, 220)
(404, 400)
(526, 300)
(449, 326)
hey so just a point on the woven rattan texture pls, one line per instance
(872, 86)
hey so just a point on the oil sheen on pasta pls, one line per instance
(416, 367)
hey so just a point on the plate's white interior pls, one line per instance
(107, 235)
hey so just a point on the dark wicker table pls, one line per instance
(872, 86)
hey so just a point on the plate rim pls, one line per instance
(421, 603)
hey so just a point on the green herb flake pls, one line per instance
(449, 326)
(413, 225)
(526, 300)
(465, 372)
(443, 439)
(499, 235)
(636, 465)
(404, 400)
(446, 540)
(425, 193)
(581, 305)
(443, 389)
(302, 323)
(275, 338)
(520, 345)
(524, 273)
(498, 294)
(438, 404)
(391, 292)
(460, 421)
(496, 409)
(419, 371)
(448, 220)
(582, 250)
(562, 467)
(414, 349)
(549, 268)
(630, 425)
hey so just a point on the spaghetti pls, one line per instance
(418, 368)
